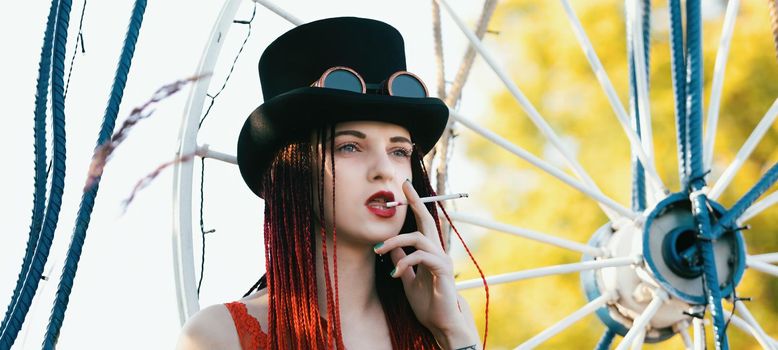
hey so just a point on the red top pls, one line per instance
(250, 333)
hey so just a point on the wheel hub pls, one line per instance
(668, 243)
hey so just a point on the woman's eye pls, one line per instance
(402, 152)
(348, 148)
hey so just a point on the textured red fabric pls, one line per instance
(250, 332)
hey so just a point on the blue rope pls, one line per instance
(639, 175)
(730, 217)
(697, 172)
(88, 198)
(39, 197)
(678, 64)
(606, 340)
(33, 277)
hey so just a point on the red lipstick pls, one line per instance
(376, 204)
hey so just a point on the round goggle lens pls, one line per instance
(343, 80)
(405, 85)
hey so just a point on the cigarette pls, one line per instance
(430, 199)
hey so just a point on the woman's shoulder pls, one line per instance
(213, 327)
(209, 328)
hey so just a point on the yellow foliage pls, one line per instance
(545, 60)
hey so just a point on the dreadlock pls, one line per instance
(294, 320)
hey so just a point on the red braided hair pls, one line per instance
(294, 320)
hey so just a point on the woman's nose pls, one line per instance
(381, 168)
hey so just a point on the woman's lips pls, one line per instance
(376, 204)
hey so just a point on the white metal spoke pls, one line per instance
(639, 325)
(745, 151)
(747, 322)
(759, 207)
(769, 258)
(529, 234)
(699, 333)
(762, 266)
(279, 11)
(568, 321)
(634, 17)
(613, 98)
(205, 151)
(718, 81)
(637, 344)
(543, 165)
(550, 270)
(533, 114)
(685, 337)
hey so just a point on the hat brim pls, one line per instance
(292, 116)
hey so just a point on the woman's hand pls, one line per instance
(430, 289)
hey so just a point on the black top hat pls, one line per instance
(292, 108)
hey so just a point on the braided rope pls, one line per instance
(88, 198)
(730, 217)
(32, 277)
(678, 64)
(39, 197)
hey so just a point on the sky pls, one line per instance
(124, 293)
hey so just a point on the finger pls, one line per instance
(433, 263)
(398, 254)
(413, 239)
(424, 220)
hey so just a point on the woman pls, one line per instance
(342, 131)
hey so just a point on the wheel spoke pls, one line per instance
(533, 113)
(769, 258)
(529, 234)
(279, 11)
(685, 337)
(205, 151)
(759, 207)
(634, 16)
(639, 325)
(718, 81)
(543, 165)
(699, 334)
(568, 321)
(762, 266)
(745, 151)
(613, 98)
(749, 324)
(549, 270)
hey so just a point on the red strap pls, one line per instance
(250, 333)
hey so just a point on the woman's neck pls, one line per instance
(356, 279)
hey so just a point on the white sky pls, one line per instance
(124, 293)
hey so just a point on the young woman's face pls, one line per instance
(372, 159)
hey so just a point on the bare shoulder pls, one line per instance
(257, 306)
(210, 328)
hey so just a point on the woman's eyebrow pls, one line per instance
(355, 133)
(400, 139)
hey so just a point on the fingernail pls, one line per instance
(407, 180)
(393, 271)
(378, 246)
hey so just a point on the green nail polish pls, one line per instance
(393, 271)
(378, 246)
